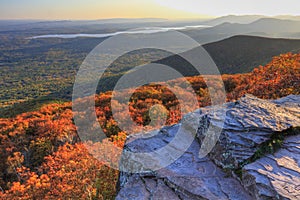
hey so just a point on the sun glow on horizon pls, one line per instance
(168, 9)
(90, 9)
(237, 7)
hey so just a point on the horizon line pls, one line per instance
(136, 18)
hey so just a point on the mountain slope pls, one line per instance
(238, 54)
(241, 54)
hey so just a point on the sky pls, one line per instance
(169, 9)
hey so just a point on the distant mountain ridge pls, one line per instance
(266, 27)
(241, 19)
(246, 19)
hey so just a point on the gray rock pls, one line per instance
(189, 177)
(249, 123)
(276, 176)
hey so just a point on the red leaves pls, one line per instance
(279, 78)
(70, 173)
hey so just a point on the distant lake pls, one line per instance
(147, 30)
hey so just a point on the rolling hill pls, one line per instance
(241, 54)
(238, 54)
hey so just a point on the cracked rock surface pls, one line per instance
(249, 124)
(189, 177)
(276, 175)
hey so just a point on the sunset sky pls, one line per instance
(99, 9)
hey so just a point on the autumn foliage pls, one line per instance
(42, 156)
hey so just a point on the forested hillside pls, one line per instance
(37, 72)
(43, 157)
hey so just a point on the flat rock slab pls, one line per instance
(249, 123)
(276, 176)
(189, 177)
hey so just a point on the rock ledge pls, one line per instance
(249, 124)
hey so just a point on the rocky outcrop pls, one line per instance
(187, 178)
(249, 125)
(276, 176)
